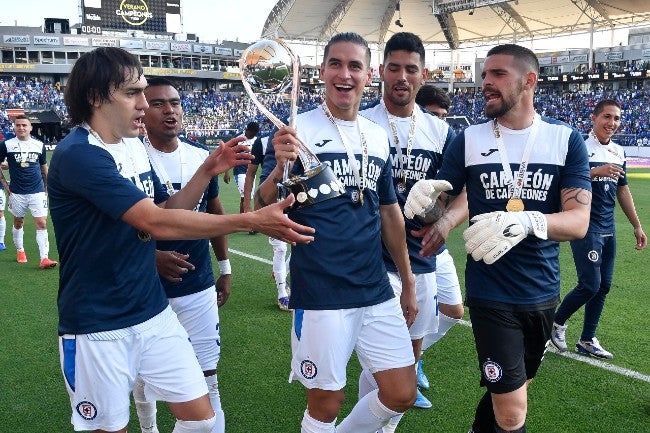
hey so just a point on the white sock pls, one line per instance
(367, 383)
(43, 243)
(146, 409)
(3, 229)
(18, 238)
(215, 401)
(367, 416)
(203, 426)
(445, 323)
(280, 270)
(311, 425)
(392, 424)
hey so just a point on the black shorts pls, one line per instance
(510, 345)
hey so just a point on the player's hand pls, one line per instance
(422, 198)
(641, 239)
(609, 170)
(228, 154)
(226, 177)
(272, 221)
(409, 302)
(223, 289)
(494, 234)
(172, 265)
(433, 236)
(285, 144)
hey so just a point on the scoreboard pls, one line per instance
(155, 16)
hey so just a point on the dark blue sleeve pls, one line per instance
(257, 152)
(453, 164)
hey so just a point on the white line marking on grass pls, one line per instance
(592, 361)
(602, 364)
(250, 256)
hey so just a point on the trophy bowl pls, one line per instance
(269, 67)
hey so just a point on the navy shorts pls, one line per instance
(510, 345)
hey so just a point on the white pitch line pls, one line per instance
(576, 357)
(592, 361)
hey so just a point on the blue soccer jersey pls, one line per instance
(430, 138)
(343, 267)
(25, 159)
(529, 274)
(108, 278)
(603, 201)
(178, 167)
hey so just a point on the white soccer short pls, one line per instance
(447, 280)
(425, 293)
(240, 179)
(3, 197)
(100, 369)
(36, 203)
(277, 243)
(322, 342)
(199, 315)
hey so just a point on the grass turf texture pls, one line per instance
(567, 396)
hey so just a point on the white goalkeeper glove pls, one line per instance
(494, 234)
(422, 198)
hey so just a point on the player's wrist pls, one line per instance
(224, 267)
(534, 223)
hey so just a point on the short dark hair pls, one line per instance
(253, 127)
(430, 94)
(355, 38)
(526, 59)
(159, 81)
(93, 77)
(22, 117)
(406, 41)
(600, 106)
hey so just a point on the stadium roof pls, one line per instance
(456, 23)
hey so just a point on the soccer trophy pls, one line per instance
(269, 67)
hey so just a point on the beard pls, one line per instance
(507, 102)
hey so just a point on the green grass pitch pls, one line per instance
(568, 396)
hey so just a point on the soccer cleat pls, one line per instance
(421, 401)
(47, 263)
(592, 348)
(2, 247)
(423, 382)
(558, 337)
(283, 304)
(21, 257)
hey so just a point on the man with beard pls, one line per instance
(528, 187)
(414, 136)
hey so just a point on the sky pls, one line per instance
(212, 20)
(242, 20)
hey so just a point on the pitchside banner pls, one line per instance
(156, 16)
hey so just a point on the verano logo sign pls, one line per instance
(134, 12)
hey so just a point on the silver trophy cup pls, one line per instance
(269, 67)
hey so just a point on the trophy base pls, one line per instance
(316, 185)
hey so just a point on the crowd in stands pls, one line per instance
(209, 111)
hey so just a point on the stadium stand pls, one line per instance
(211, 111)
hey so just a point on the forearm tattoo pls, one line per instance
(579, 195)
(259, 200)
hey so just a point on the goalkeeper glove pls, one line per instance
(494, 234)
(422, 198)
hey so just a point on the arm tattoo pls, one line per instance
(581, 196)
(259, 199)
